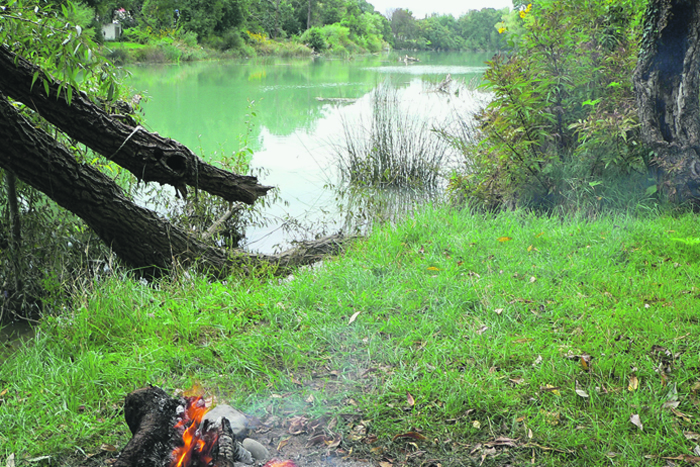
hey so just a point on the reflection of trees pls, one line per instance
(199, 102)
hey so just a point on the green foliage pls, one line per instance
(562, 104)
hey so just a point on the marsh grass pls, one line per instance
(483, 319)
(397, 148)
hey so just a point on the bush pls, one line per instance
(562, 106)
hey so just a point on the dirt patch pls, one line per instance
(308, 442)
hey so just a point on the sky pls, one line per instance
(420, 8)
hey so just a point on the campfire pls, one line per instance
(186, 432)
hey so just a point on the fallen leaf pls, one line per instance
(11, 458)
(691, 436)
(585, 360)
(671, 404)
(532, 279)
(433, 268)
(498, 311)
(539, 235)
(636, 421)
(282, 443)
(582, 393)
(504, 239)
(529, 248)
(108, 447)
(310, 399)
(476, 424)
(518, 380)
(385, 464)
(354, 317)
(522, 340)
(696, 450)
(409, 398)
(410, 435)
(549, 388)
(634, 383)
(537, 361)
(684, 457)
(481, 330)
(3, 392)
(529, 433)
(682, 415)
(502, 441)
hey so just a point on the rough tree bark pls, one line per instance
(148, 156)
(137, 235)
(667, 86)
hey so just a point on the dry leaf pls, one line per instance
(385, 464)
(529, 248)
(282, 443)
(498, 311)
(671, 404)
(529, 433)
(409, 398)
(518, 380)
(433, 268)
(532, 279)
(11, 460)
(537, 361)
(636, 421)
(582, 393)
(585, 361)
(3, 392)
(522, 340)
(410, 435)
(691, 436)
(354, 317)
(539, 235)
(476, 424)
(481, 330)
(634, 383)
(108, 447)
(553, 389)
(310, 399)
(682, 415)
(504, 239)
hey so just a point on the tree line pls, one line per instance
(324, 25)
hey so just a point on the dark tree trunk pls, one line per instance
(137, 235)
(667, 85)
(148, 156)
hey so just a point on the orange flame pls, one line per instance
(194, 447)
(280, 463)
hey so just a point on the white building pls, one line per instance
(111, 31)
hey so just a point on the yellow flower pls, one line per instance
(529, 7)
(522, 13)
(501, 30)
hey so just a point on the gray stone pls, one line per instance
(258, 451)
(238, 421)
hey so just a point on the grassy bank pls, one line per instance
(557, 334)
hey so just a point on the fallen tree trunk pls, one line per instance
(137, 235)
(148, 156)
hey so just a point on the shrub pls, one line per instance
(562, 105)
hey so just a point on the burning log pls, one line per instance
(183, 432)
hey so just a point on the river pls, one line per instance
(290, 113)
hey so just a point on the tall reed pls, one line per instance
(396, 149)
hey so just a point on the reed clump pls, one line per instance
(396, 149)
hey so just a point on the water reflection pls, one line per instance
(296, 121)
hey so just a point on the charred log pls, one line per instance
(147, 155)
(151, 416)
(667, 86)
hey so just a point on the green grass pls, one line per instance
(485, 335)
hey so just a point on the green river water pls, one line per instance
(300, 106)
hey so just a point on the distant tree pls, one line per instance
(404, 27)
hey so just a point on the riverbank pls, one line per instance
(503, 338)
(175, 50)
